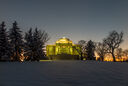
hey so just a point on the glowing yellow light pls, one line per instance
(45, 60)
(64, 40)
(62, 47)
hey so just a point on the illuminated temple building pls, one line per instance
(63, 49)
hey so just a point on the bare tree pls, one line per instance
(113, 41)
(101, 50)
(82, 50)
(119, 53)
(125, 54)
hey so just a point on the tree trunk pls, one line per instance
(114, 59)
(16, 56)
(102, 58)
(81, 56)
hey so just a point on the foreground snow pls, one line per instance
(64, 73)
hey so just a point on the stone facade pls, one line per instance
(63, 48)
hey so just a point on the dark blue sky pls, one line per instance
(75, 19)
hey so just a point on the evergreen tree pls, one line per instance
(90, 48)
(29, 46)
(4, 43)
(35, 43)
(16, 41)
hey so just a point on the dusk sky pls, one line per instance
(74, 19)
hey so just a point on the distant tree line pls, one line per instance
(110, 45)
(16, 47)
(86, 50)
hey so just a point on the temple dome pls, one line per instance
(64, 40)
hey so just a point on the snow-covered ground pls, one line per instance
(64, 73)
